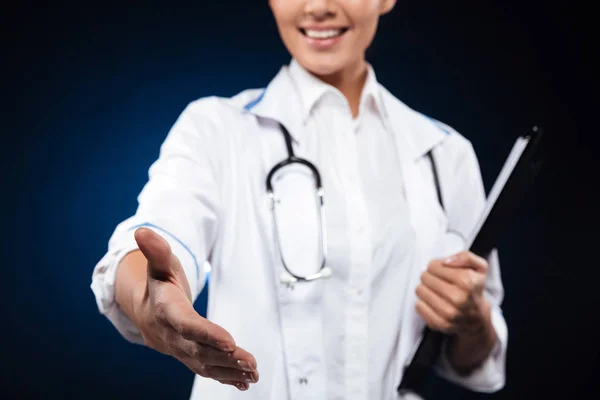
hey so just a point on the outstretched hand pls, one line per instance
(169, 324)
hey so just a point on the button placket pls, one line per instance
(360, 256)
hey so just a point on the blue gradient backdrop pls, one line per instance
(90, 94)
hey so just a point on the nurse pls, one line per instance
(401, 192)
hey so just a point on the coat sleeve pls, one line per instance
(466, 201)
(180, 202)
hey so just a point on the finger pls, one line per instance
(228, 374)
(219, 373)
(438, 304)
(466, 279)
(240, 385)
(449, 275)
(191, 326)
(444, 288)
(466, 259)
(431, 318)
(244, 359)
(157, 251)
(239, 359)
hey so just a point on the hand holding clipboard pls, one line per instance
(521, 166)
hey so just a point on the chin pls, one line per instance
(323, 64)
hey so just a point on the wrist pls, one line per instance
(482, 327)
(130, 285)
(467, 350)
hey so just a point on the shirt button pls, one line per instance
(303, 381)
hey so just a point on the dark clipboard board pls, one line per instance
(509, 189)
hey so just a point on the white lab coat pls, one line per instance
(221, 129)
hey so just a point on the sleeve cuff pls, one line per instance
(490, 376)
(103, 287)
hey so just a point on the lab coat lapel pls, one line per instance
(281, 102)
(415, 136)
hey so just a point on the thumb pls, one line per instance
(157, 251)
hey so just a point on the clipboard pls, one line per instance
(520, 168)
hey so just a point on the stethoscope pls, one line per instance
(288, 277)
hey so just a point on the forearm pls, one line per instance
(466, 352)
(130, 282)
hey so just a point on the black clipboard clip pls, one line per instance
(520, 168)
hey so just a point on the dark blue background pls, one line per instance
(89, 93)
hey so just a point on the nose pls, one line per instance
(319, 9)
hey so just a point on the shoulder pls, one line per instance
(430, 129)
(455, 153)
(214, 112)
(454, 144)
(213, 124)
(217, 109)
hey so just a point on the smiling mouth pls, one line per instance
(323, 34)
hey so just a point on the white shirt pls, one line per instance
(346, 337)
(369, 235)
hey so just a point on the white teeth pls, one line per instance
(323, 34)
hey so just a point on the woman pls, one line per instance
(347, 335)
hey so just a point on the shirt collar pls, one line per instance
(311, 90)
(372, 95)
(281, 102)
